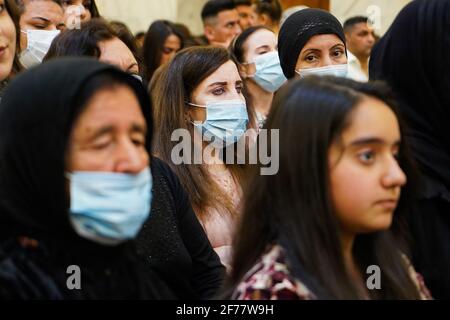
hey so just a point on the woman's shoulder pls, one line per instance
(417, 279)
(270, 279)
(24, 272)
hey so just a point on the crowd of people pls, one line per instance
(142, 159)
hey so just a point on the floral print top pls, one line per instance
(270, 279)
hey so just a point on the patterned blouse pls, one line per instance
(270, 279)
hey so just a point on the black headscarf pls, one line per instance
(414, 58)
(37, 113)
(298, 29)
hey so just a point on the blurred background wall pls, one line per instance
(139, 14)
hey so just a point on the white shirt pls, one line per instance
(355, 71)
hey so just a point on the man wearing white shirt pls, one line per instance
(360, 40)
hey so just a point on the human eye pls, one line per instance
(367, 157)
(338, 53)
(311, 58)
(101, 144)
(239, 88)
(218, 91)
(138, 141)
(396, 154)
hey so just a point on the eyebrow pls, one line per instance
(41, 18)
(218, 84)
(263, 47)
(232, 22)
(372, 140)
(223, 83)
(319, 50)
(108, 129)
(308, 51)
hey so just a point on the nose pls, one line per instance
(327, 61)
(129, 158)
(371, 39)
(394, 175)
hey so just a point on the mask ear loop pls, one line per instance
(245, 64)
(194, 105)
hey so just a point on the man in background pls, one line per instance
(220, 22)
(246, 13)
(360, 38)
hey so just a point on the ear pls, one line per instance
(187, 116)
(264, 20)
(347, 36)
(243, 71)
(209, 33)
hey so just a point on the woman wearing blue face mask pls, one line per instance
(312, 42)
(79, 189)
(198, 96)
(256, 52)
(40, 22)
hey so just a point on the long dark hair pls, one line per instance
(86, 40)
(272, 8)
(94, 10)
(171, 87)
(82, 42)
(156, 36)
(312, 113)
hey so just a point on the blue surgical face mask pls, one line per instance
(226, 121)
(269, 74)
(109, 208)
(337, 70)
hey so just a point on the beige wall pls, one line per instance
(383, 11)
(139, 14)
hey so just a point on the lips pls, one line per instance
(388, 204)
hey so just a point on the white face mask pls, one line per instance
(39, 42)
(337, 70)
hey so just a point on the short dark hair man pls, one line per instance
(246, 13)
(360, 39)
(220, 22)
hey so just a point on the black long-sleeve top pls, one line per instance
(173, 241)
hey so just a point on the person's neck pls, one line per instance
(261, 99)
